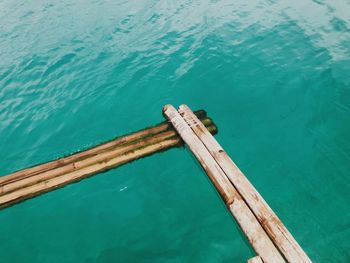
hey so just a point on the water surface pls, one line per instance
(273, 75)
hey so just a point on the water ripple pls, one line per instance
(273, 74)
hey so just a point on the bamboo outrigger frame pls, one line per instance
(266, 233)
(268, 236)
(39, 179)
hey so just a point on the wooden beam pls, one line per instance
(239, 209)
(73, 168)
(53, 183)
(100, 156)
(81, 163)
(19, 175)
(282, 238)
(147, 132)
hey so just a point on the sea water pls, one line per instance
(274, 76)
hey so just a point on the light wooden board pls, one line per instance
(148, 132)
(81, 155)
(45, 186)
(239, 209)
(73, 168)
(282, 238)
(81, 163)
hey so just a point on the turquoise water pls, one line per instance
(273, 75)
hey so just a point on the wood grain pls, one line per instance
(239, 209)
(147, 132)
(53, 183)
(92, 161)
(280, 235)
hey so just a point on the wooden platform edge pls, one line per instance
(47, 177)
(254, 232)
(38, 168)
(280, 235)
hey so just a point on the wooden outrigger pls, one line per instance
(33, 181)
(266, 233)
(271, 240)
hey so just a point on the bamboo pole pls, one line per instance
(98, 157)
(81, 155)
(239, 209)
(81, 163)
(147, 132)
(279, 234)
(28, 187)
(48, 185)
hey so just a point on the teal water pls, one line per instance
(273, 75)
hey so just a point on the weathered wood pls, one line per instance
(98, 157)
(18, 175)
(81, 163)
(14, 191)
(256, 259)
(239, 209)
(80, 155)
(48, 185)
(279, 234)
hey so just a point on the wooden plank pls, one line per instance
(239, 209)
(256, 259)
(99, 157)
(19, 190)
(81, 155)
(282, 238)
(79, 164)
(18, 175)
(83, 159)
(48, 185)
